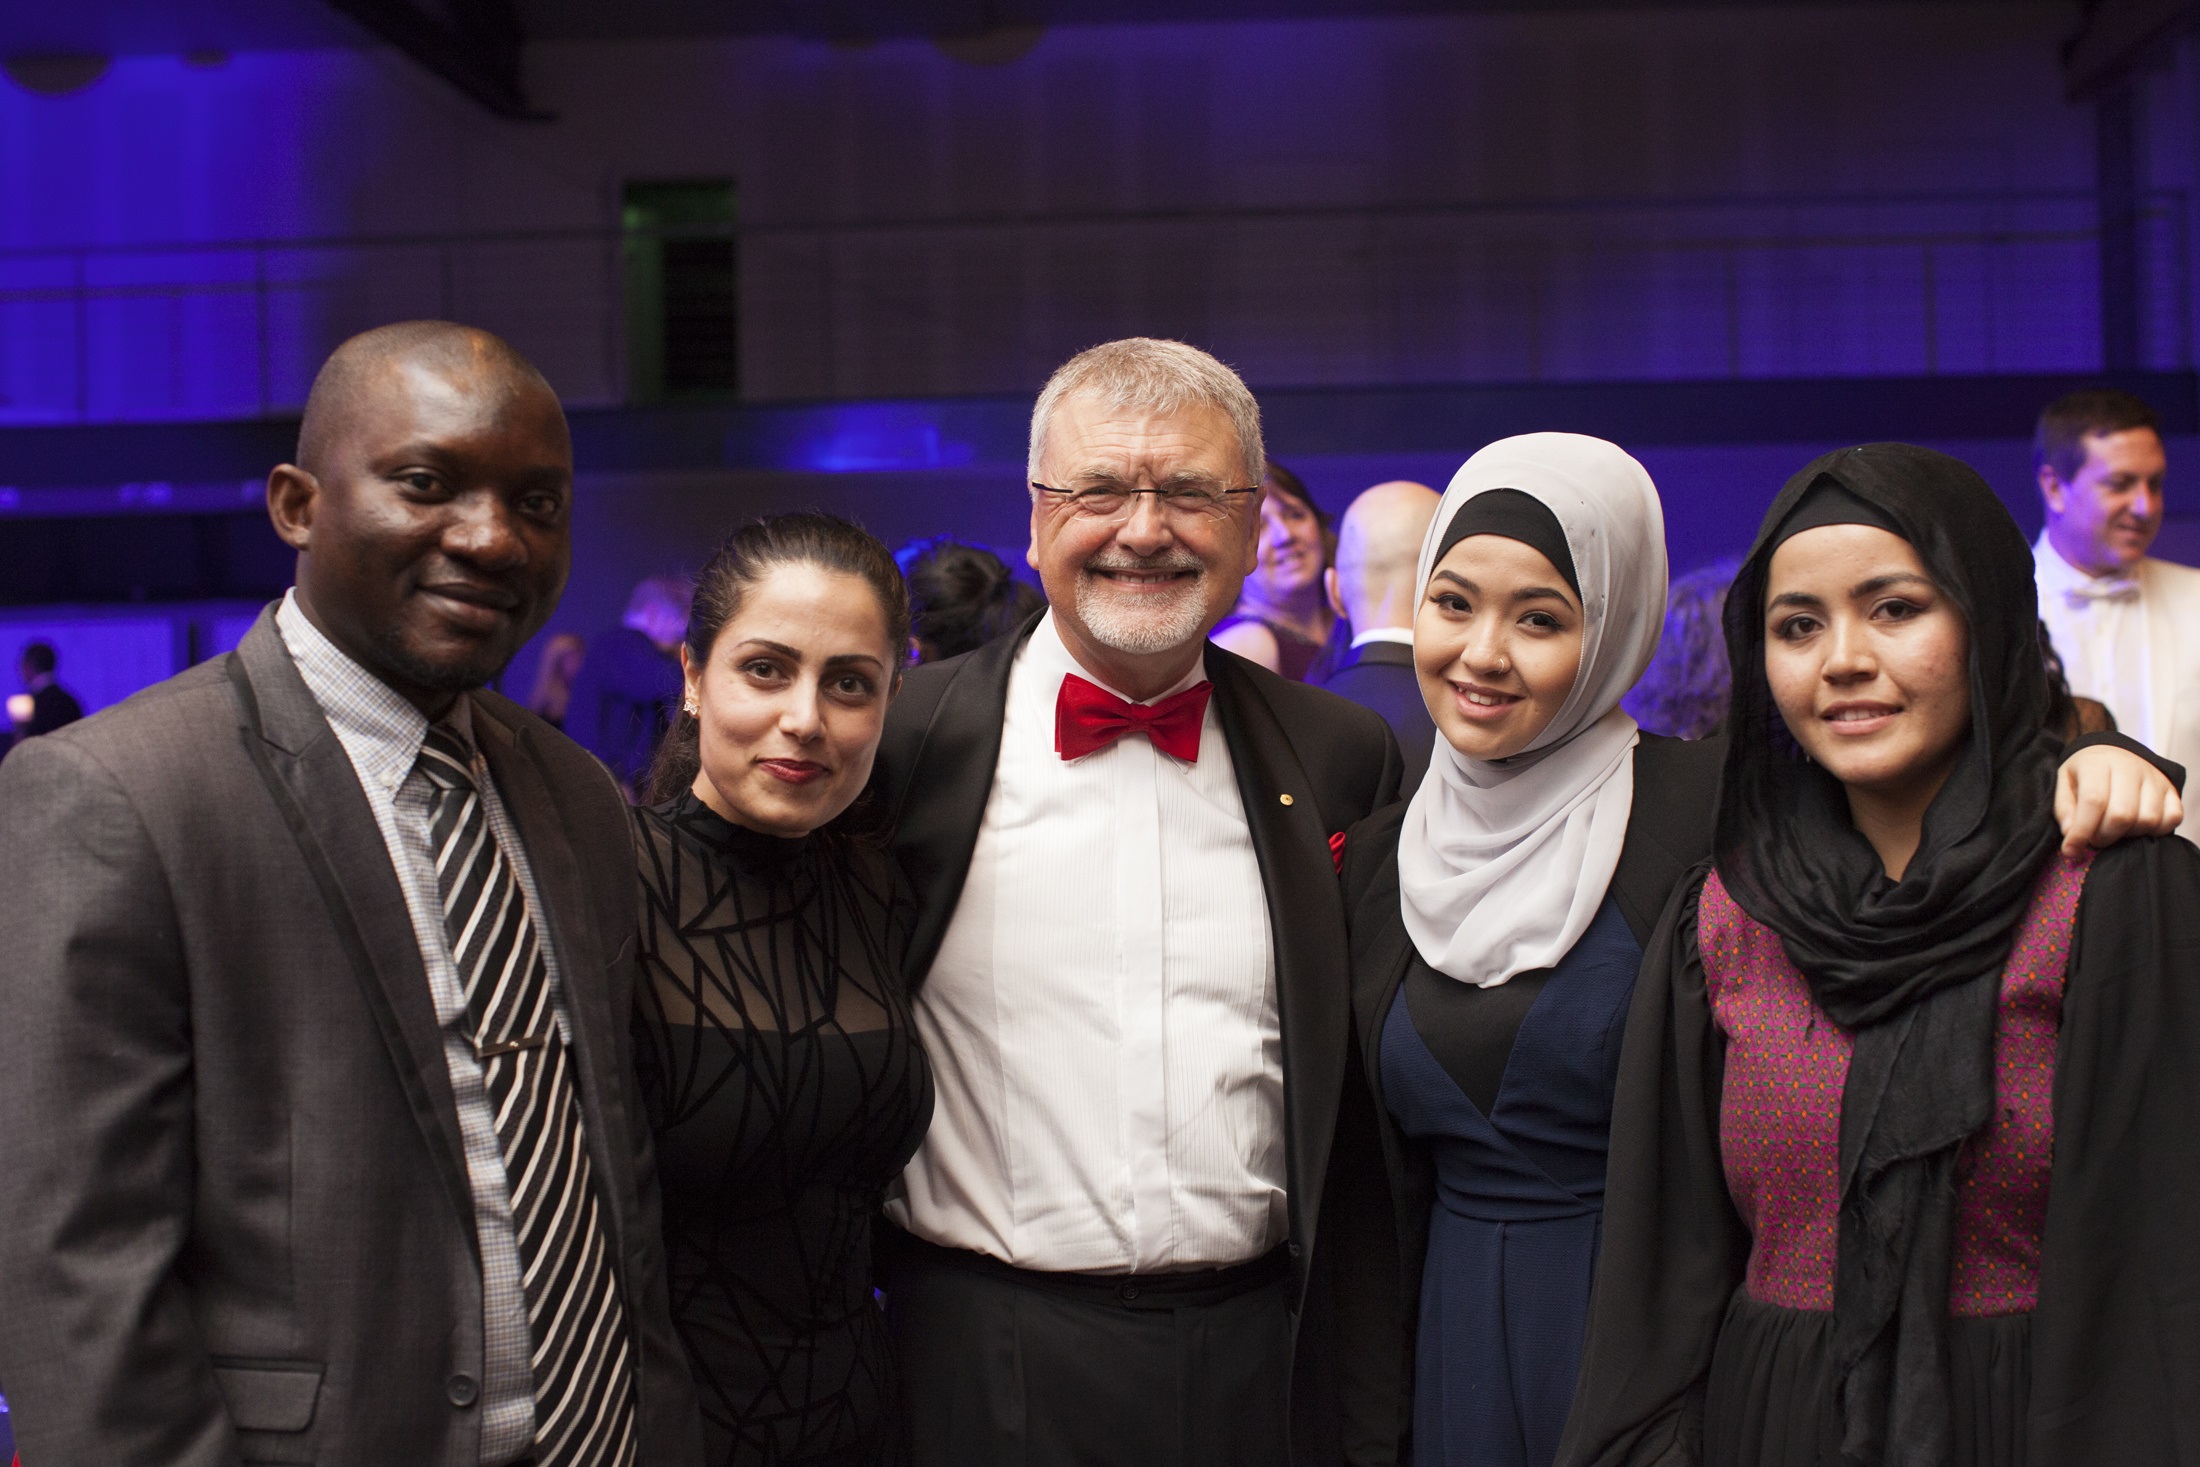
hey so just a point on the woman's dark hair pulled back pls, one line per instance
(962, 596)
(810, 537)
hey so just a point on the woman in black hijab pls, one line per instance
(1902, 1167)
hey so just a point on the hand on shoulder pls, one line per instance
(2104, 794)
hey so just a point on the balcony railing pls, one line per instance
(1512, 291)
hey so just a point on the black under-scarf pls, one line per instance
(1911, 968)
(1516, 515)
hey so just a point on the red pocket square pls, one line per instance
(1336, 851)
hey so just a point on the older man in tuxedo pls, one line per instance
(1129, 961)
(317, 1144)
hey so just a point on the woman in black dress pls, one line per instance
(1283, 618)
(1902, 1159)
(782, 1080)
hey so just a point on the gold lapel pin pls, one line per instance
(1285, 798)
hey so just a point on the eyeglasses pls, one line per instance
(1182, 501)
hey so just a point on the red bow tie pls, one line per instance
(1088, 718)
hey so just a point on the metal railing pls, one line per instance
(1525, 289)
(1512, 290)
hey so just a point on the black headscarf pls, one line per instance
(1912, 968)
(1516, 515)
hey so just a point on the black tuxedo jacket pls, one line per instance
(1379, 675)
(52, 707)
(1309, 765)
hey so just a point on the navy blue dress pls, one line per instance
(1515, 1115)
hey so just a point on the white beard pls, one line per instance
(1140, 624)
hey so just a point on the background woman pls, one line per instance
(961, 596)
(783, 1083)
(1684, 690)
(1282, 620)
(1902, 1166)
(560, 664)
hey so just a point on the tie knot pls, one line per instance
(1088, 718)
(447, 758)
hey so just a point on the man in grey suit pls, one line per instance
(318, 1142)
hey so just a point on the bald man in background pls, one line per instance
(319, 1145)
(1371, 586)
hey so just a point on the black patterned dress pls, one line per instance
(785, 1088)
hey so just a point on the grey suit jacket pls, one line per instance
(234, 1219)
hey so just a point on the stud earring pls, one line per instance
(690, 707)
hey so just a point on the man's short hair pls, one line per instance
(1150, 375)
(39, 658)
(352, 370)
(2065, 424)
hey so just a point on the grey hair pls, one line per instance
(1149, 374)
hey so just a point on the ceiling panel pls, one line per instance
(122, 27)
(162, 27)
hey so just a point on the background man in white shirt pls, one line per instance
(1129, 961)
(2127, 625)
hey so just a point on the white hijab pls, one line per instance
(1503, 864)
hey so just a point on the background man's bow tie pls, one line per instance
(2079, 595)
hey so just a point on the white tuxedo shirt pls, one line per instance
(1101, 1017)
(2133, 642)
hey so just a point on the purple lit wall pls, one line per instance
(104, 654)
(1573, 195)
(1555, 196)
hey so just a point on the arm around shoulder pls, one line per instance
(101, 1356)
(1367, 845)
(2116, 1334)
(1366, 752)
(2110, 786)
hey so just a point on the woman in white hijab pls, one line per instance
(1499, 917)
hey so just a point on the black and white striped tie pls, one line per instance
(584, 1397)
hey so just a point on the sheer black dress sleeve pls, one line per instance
(784, 1088)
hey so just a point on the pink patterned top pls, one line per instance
(1780, 1115)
